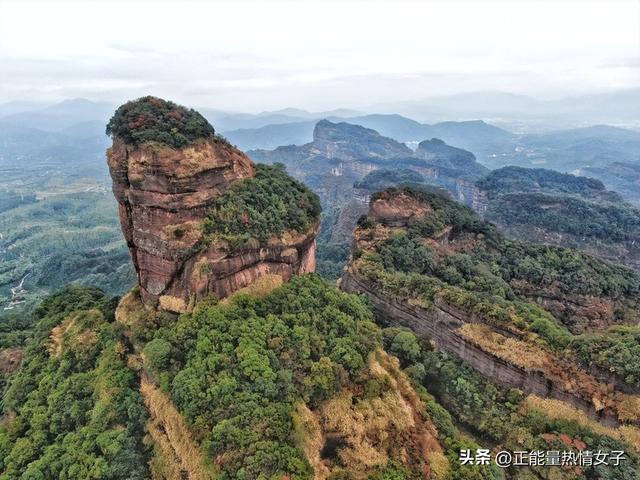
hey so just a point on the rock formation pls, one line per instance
(164, 193)
(342, 153)
(500, 351)
(437, 152)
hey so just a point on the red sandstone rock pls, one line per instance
(163, 195)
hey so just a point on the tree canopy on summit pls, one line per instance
(151, 119)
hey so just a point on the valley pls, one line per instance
(230, 355)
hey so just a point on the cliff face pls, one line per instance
(345, 141)
(164, 194)
(438, 153)
(503, 349)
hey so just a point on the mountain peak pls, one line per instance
(178, 213)
(349, 141)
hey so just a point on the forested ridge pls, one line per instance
(450, 256)
(557, 202)
(73, 410)
(484, 273)
(262, 207)
(252, 377)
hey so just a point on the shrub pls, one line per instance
(263, 206)
(151, 119)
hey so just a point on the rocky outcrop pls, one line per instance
(164, 194)
(503, 352)
(346, 141)
(438, 153)
(441, 326)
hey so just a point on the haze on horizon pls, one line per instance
(247, 55)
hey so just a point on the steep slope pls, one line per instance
(277, 376)
(170, 176)
(342, 152)
(437, 152)
(475, 135)
(73, 409)
(474, 275)
(271, 384)
(560, 209)
(503, 312)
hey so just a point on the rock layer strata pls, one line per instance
(163, 195)
(597, 393)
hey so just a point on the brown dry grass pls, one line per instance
(261, 287)
(517, 352)
(131, 311)
(10, 359)
(309, 438)
(172, 437)
(376, 430)
(183, 235)
(565, 374)
(173, 304)
(557, 409)
(79, 335)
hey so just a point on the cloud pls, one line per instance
(313, 54)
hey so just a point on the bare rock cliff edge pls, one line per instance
(164, 193)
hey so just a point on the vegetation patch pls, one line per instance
(506, 417)
(263, 206)
(151, 119)
(249, 374)
(78, 413)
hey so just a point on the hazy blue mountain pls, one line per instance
(225, 121)
(530, 114)
(567, 150)
(9, 108)
(619, 176)
(476, 136)
(272, 136)
(61, 115)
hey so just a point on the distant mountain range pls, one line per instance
(524, 113)
(471, 135)
(30, 129)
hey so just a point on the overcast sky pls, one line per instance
(317, 54)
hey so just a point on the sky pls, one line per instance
(245, 55)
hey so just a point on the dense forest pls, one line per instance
(601, 220)
(249, 375)
(74, 410)
(55, 241)
(151, 119)
(505, 416)
(383, 178)
(263, 206)
(518, 179)
(558, 202)
(452, 256)
(483, 273)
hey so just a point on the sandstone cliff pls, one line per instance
(164, 193)
(506, 348)
(553, 208)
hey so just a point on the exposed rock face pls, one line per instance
(441, 326)
(345, 151)
(163, 195)
(469, 336)
(437, 152)
(353, 142)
